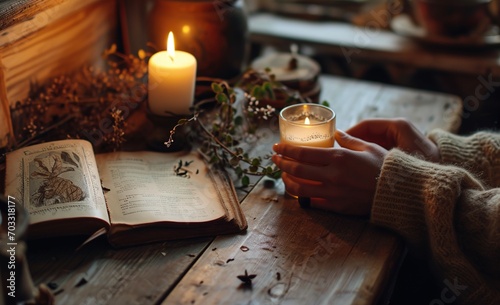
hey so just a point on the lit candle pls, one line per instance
(307, 125)
(171, 81)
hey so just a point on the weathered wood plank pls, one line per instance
(300, 256)
(352, 42)
(36, 50)
(354, 101)
(20, 18)
(321, 258)
(59, 48)
(16, 11)
(98, 274)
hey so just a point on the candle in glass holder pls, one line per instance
(307, 125)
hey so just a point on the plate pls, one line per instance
(404, 25)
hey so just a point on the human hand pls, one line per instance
(342, 180)
(400, 133)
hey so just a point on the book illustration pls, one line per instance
(56, 178)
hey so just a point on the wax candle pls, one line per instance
(171, 80)
(307, 125)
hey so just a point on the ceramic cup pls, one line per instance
(455, 18)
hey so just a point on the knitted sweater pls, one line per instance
(449, 211)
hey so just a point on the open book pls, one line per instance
(136, 197)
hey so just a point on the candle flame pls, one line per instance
(306, 121)
(171, 46)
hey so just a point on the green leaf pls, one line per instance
(269, 90)
(255, 162)
(216, 88)
(221, 98)
(325, 103)
(245, 181)
(253, 169)
(234, 161)
(229, 139)
(238, 120)
(257, 92)
(276, 175)
(238, 171)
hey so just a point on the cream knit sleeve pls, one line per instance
(446, 213)
(478, 153)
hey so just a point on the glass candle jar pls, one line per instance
(215, 32)
(307, 125)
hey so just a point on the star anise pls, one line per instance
(247, 278)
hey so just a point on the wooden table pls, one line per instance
(364, 43)
(299, 256)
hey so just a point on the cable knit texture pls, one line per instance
(478, 153)
(449, 211)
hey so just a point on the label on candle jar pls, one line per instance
(315, 139)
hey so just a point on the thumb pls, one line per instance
(347, 141)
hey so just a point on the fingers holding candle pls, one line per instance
(340, 176)
(345, 165)
(340, 199)
(306, 163)
(400, 133)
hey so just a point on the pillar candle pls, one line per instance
(171, 81)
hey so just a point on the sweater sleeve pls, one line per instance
(445, 212)
(478, 153)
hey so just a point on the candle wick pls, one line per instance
(293, 64)
(171, 57)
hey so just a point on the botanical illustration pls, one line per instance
(56, 178)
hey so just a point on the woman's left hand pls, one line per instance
(342, 179)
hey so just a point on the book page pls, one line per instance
(149, 187)
(56, 180)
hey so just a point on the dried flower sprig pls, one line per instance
(263, 86)
(179, 124)
(220, 141)
(221, 136)
(117, 137)
(92, 103)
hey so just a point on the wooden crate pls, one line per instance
(42, 39)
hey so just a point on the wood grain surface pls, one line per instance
(299, 256)
(369, 44)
